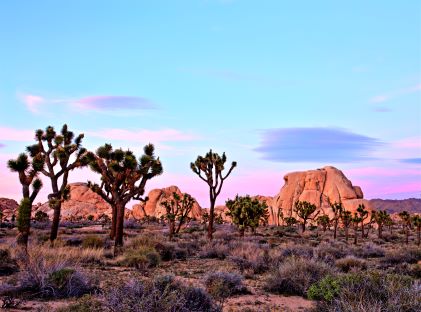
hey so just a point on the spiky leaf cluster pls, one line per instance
(247, 212)
(178, 207)
(304, 209)
(122, 173)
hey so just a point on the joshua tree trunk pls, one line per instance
(418, 235)
(113, 222)
(380, 231)
(356, 235)
(346, 234)
(303, 225)
(335, 228)
(211, 217)
(362, 229)
(407, 235)
(56, 205)
(172, 228)
(242, 232)
(119, 228)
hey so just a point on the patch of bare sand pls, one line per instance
(267, 303)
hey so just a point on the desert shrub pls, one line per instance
(141, 258)
(330, 251)
(372, 291)
(73, 241)
(93, 241)
(295, 275)
(350, 263)
(214, 250)
(54, 280)
(251, 257)
(41, 216)
(132, 224)
(302, 251)
(7, 264)
(221, 285)
(86, 303)
(163, 294)
(407, 254)
(171, 251)
(368, 251)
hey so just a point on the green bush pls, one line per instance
(141, 258)
(87, 303)
(326, 289)
(93, 241)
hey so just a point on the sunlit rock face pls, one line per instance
(318, 187)
(82, 203)
(153, 206)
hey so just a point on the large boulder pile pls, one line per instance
(153, 206)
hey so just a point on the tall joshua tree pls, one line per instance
(27, 170)
(123, 178)
(337, 209)
(62, 152)
(416, 220)
(406, 223)
(209, 169)
(363, 214)
(356, 222)
(380, 217)
(304, 211)
(346, 218)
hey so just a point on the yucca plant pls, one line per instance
(28, 170)
(416, 220)
(209, 169)
(346, 218)
(380, 218)
(363, 214)
(324, 221)
(337, 210)
(406, 223)
(304, 211)
(178, 209)
(62, 152)
(123, 178)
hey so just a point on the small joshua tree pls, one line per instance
(416, 220)
(41, 216)
(246, 212)
(406, 223)
(123, 178)
(290, 221)
(346, 219)
(57, 150)
(178, 209)
(304, 211)
(380, 218)
(209, 169)
(324, 221)
(337, 210)
(363, 213)
(356, 222)
(27, 170)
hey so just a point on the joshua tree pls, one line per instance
(363, 213)
(406, 223)
(390, 223)
(290, 221)
(246, 212)
(304, 211)
(120, 173)
(346, 218)
(337, 210)
(27, 170)
(178, 208)
(212, 166)
(41, 216)
(324, 221)
(380, 217)
(356, 222)
(57, 150)
(416, 220)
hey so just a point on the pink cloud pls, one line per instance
(12, 134)
(412, 142)
(164, 135)
(33, 102)
(396, 93)
(111, 102)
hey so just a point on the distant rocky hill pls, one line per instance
(412, 205)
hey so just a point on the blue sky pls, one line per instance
(278, 85)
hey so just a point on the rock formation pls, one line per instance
(9, 208)
(82, 203)
(317, 187)
(153, 207)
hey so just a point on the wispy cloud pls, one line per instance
(321, 145)
(411, 160)
(143, 135)
(112, 103)
(382, 109)
(2, 145)
(381, 98)
(12, 134)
